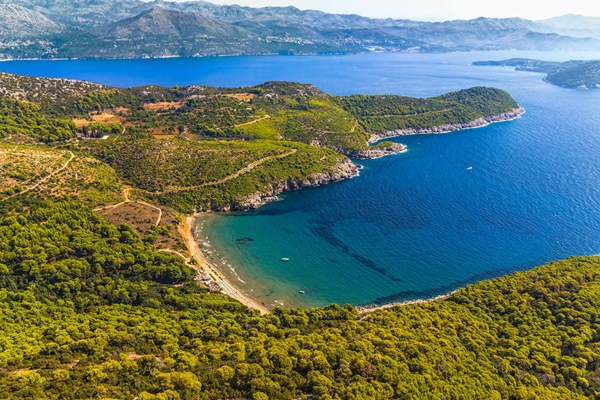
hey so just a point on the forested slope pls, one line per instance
(573, 74)
(91, 311)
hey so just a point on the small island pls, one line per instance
(574, 74)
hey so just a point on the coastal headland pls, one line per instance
(574, 74)
(183, 151)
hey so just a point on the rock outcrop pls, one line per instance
(344, 170)
(483, 121)
(379, 151)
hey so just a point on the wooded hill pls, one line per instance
(102, 302)
(196, 148)
(574, 74)
(89, 310)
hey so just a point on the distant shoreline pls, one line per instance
(203, 56)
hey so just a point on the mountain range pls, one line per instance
(138, 29)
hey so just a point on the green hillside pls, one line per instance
(103, 303)
(91, 311)
(574, 74)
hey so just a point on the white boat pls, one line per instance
(301, 292)
(470, 168)
(285, 259)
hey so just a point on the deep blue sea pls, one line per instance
(414, 225)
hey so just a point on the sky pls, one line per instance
(437, 10)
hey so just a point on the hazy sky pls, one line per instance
(437, 9)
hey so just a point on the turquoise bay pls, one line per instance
(414, 225)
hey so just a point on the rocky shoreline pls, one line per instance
(478, 123)
(379, 151)
(345, 170)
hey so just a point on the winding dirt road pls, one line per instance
(248, 168)
(44, 180)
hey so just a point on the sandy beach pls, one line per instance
(206, 267)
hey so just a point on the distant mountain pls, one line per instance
(18, 22)
(572, 25)
(159, 22)
(130, 29)
(572, 74)
(83, 12)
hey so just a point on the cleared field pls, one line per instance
(247, 97)
(103, 117)
(50, 172)
(165, 105)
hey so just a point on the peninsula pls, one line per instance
(572, 74)
(152, 156)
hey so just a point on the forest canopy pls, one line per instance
(91, 311)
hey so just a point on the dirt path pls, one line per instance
(202, 263)
(120, 134)
(160, 211)
(126, 200)
(44, 180)
(204, 266)
(113, 206)
(253, 122)
(248, 168)
(186, 258)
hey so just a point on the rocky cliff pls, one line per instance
(483, 121)
(344, 170)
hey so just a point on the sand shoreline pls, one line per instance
(205, 266)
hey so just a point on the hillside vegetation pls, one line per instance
(378, 114)
(275, 111)
(103, 302)
(199, 176)
(91, 311)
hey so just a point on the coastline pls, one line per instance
(346, 170)
(204, 266)
(374, 152)
(478, 123)
(309, 54)
(364, 311)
